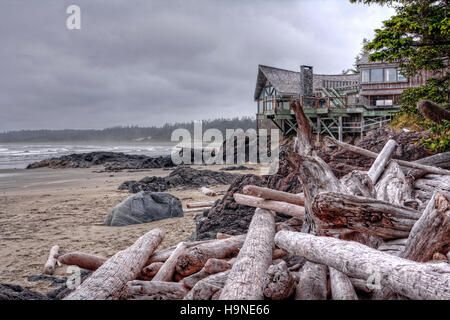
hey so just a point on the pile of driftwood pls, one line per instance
(380, 234)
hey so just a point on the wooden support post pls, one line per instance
(362, 125)
(246, 279)
(412, 279)
(340, 129)
(319, 129)
(107, 281)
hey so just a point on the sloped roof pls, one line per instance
(286, 82)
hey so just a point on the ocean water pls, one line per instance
(18, 156)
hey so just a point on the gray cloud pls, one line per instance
(149, 62)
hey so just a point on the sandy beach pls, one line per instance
(43, 207)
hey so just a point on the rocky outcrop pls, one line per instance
(112, 161)
(182, 177)
(14, 292)
(144, 207)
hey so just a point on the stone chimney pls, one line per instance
(306, 81)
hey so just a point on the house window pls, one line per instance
(390, 75)
(365, 76)
(376, 75)
(401, 77)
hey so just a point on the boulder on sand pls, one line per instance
(145, 207)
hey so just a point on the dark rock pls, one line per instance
(15, 292)
(112, 161)
(236, 168)
(183, 176)
(144, 207)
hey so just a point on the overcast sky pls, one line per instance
(147, 62)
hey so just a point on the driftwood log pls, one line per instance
(432, 111)
(382, 160)
(279, 284)
(200, 204)
(107, 281)
(412, 279)
(278, 206)
(49, 267)
(366, 215)
(196, 257)
(270, 194)
(341, 286)
(312, 283)
(208, 288)
(150, 270)
(246, 279)
(167, 271)
(153, 290)
(370, 154)
(82, 260)
(393, 186)
(431, 233)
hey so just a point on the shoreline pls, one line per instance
(43, 207)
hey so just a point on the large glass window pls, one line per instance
(376, 75)
(390, 75)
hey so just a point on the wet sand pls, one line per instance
(43, 207)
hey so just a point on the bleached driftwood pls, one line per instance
(246, 279)
(394, 247)
(195, 258)
(278, 282)
(200, 204)
(153, 290)
(150, 270)
(108, 280)
(278, 206)
(370, 154)
(393, 187)
(312, 283)
(341, 286)
(196, 209)
(208, 192)
(211, 267)
(359, 183)
(82, 260)
(221, 235)
(49, 267)
(412, 279)
(431, 233)
(270, 194)
(382, 160)
(166, 272)
(364, 215)
(209, 287)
